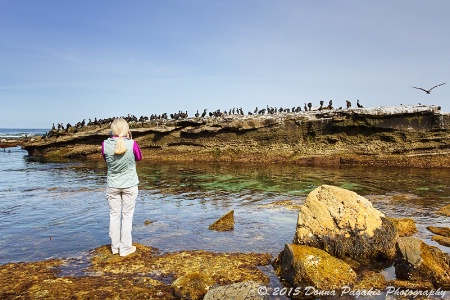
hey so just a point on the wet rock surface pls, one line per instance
(419, 262)
(405, 226)
(443, 235)
(443, 231)
(333, 219)
(224, 223)
(301, 266)
(345, 224)
(444, 211)
(237, 291)
(441, 240)
(144, 274)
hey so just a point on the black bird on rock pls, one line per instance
(349, 104)
(428, 91)
(357, 104)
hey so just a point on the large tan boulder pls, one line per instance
(302, 266)
(419, 262)
(345, 224)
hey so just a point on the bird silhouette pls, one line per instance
(428, 91)
(358, 104)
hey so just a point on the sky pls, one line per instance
(65, 61)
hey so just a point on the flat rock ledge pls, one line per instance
(144, 274)
(407, 135)
(345, 224)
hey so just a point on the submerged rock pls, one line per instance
(344, 223)
(405, 226)
(224, 223)
(419, 262)
(304, 266)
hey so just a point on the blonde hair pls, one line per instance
(120, 128)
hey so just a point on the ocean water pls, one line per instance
(16, 133)
(52, 209)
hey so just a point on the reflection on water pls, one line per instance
(59, 209)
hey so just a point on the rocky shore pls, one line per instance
(407, 135)
(340, 249)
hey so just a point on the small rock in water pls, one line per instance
(225, 223)
(443, 231)
(444, 210)
(441, 240)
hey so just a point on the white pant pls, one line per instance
(121, 210)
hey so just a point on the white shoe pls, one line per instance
(132, 250)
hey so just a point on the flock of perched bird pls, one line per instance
(218, 113)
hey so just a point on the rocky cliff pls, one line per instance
(398, 136)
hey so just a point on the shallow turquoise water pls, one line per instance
(59, 209)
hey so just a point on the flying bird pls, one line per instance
(428, 91)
